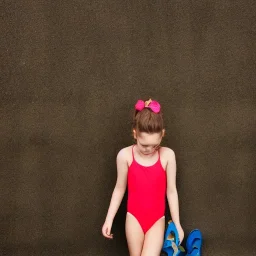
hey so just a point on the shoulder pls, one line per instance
(167, 153)
(169, 156)
(124, 154)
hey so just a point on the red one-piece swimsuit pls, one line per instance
(146, 192)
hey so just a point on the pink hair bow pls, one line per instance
(152, 104)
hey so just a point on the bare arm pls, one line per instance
(172, 194)
(118, 193)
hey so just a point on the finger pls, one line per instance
(110, 236)
(107, 234)
(104, 232)
(108, 231)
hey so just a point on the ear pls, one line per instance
(134, 134)
(163, 132)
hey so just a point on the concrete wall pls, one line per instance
(71, 73)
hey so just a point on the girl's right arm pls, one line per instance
(118, 193)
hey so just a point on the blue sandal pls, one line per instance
(194, 243)
(171, 241)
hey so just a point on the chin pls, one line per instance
(147, 153)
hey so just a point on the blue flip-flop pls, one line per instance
(194, 243)
(172, 233)
(171, 241)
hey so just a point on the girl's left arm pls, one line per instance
(172, 194)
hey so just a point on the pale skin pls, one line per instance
(145, 153)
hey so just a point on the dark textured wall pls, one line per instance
(70, 73)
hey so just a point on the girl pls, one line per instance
(150, 171)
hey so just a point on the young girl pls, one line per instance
(150, 171)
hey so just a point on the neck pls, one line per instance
(146, 155)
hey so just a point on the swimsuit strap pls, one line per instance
(133, 153)
(158, 154)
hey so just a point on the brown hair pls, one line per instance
(147, 121)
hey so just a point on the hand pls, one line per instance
(181, 233)
(106, 230)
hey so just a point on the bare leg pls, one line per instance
(154, 239)
(134, 235)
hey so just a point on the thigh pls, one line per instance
(154, 239)
(134, 235)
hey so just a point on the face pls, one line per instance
(148, 143)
